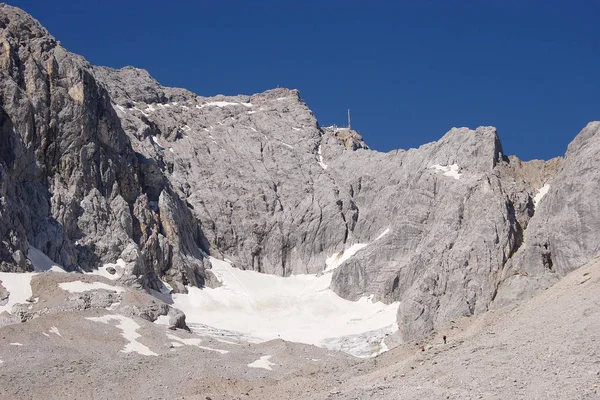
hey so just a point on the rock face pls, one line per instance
(563, 235)
(70, 182)
(99, 164)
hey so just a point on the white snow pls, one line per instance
(45, 334)
(251, 112)
(155, 140)
(150, 108)
(80, 287)
(383, 234)
(254, 129)
(177, 344)
(16, 344)
(227, 341)
(223, 104)
(296, 129)
(18, 285)
(449, 170)
(118, 107)
(337, 259)
(162, 320)
(541, 193)
(262, 362)
(41, 262)
(129, 328)
(119, 266)
(143, 113)
(321, 163)
(300, 308)
(287, 145)
(195, 342)
(1, 362)
(55, 331)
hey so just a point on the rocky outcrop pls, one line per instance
(99, 164)
(562, 236)
(71, 184)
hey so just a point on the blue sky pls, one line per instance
(408, 70)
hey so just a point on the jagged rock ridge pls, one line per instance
(100, 164)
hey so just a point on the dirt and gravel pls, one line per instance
(547, 348)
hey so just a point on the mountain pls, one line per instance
(103, 166)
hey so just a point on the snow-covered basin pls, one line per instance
(299, 308)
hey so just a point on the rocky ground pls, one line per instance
(547, 348)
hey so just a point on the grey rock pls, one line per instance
(111, 270)
(98, 164)
(562, 235)
(70, 182)
(177, 319)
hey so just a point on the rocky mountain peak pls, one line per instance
(99, 165)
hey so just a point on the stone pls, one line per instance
(98, 164)
(177, 319)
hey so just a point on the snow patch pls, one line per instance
(251, 112)
(18, 286)
(227, 341)
(287, 145)
(296, 129)
(383, 234)
(119, 267)
(195, 342)
(129, 328)
(16, 344)
(540, 194)
(157, 143)
(55, 331)
(337, 259)
(41, 262)
(262, 362)
(120, 108)
(80, 287)
(143, 113)
(321, 163)
(45, 334)
(162, 320)
(449, 170)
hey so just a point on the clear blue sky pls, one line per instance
(408, 70)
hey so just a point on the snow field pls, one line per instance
(299, 308)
